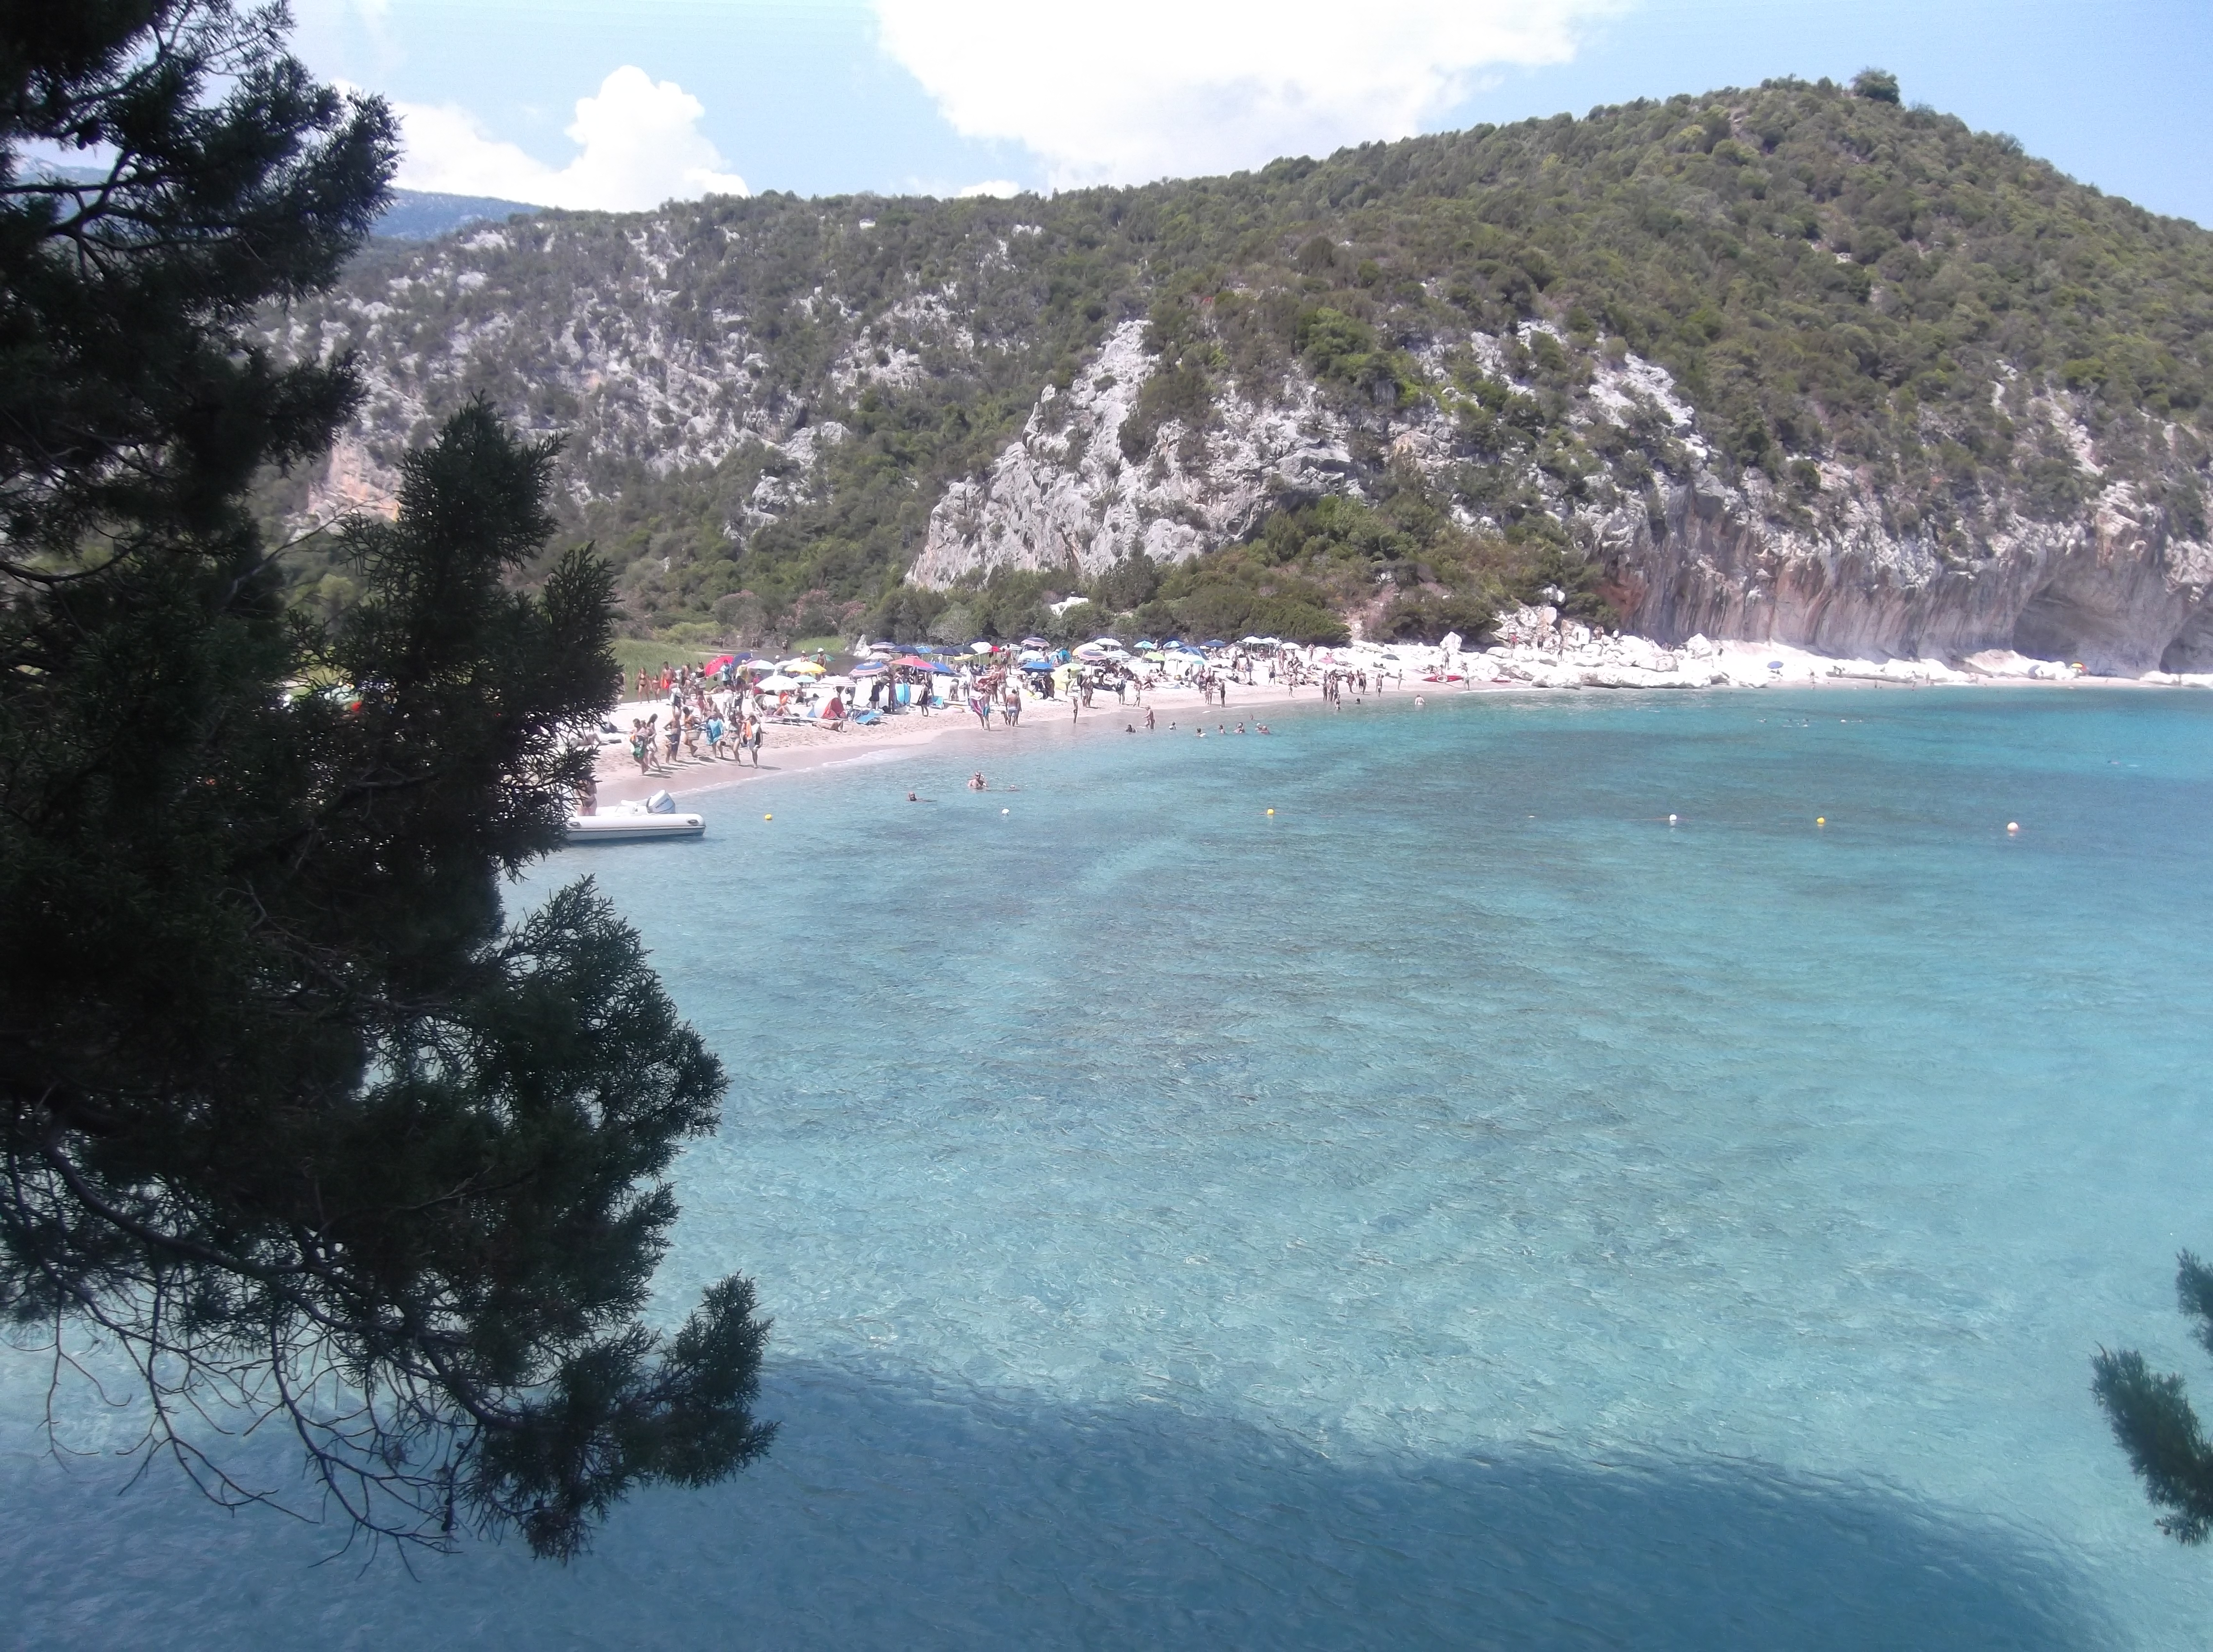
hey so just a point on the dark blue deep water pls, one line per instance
(1459, 1210)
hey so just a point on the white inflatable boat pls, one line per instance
(628, 823)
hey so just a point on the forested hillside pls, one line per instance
(1776, 345)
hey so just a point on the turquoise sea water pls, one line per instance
(1460, 1210)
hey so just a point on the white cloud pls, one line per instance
(1154, 89)
(1003, 188)
(638, 144)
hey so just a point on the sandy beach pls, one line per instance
(800, 748)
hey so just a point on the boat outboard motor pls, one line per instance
(661, 803)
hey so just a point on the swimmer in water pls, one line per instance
(1262, 728)
(1201, 733)
(1128, 728)
(975, 781)
(1240, 728)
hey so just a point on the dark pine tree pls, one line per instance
(2153, 1419)
(292, 1115)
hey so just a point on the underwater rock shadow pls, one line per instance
(890, 1515)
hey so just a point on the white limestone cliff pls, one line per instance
(2114, 589)
(1063, 495)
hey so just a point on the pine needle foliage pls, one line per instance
(292, 1120)
(2154, 1422)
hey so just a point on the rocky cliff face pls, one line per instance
(1692, 551)
(609, 352)
(2112, 589)
(1063, 494)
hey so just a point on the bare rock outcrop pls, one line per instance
(1722, 555)
(2114, 589)
(1063, 494)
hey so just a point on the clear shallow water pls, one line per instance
(1459, 1210)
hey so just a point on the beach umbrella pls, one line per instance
(1035, 643)
(806, 666)
(981, 648)
(719, 662)
(777, 684)
(870, 669)
(912, 662)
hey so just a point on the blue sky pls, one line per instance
(939, 95)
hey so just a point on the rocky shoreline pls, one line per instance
(1540, 648)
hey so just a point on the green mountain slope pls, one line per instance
(1900, 354)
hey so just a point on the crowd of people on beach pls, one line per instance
(721, 713)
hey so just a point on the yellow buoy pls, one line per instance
(1821, 819)
(2013, 826)
(1272, 811)
(768, 817)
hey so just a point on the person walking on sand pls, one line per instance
(756, 742)
(1149, 719)
(1011, 709)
